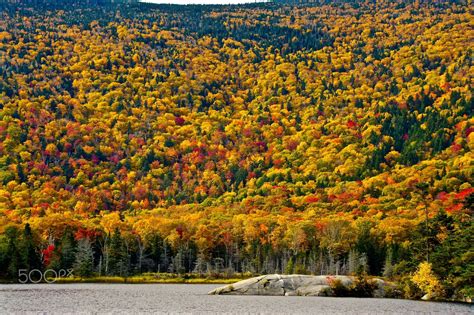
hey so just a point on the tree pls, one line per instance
(29, 250)
(254, 136)
(14, 260)
(84, 259)
(68, 247)
(427, 281)
(371, 247)
(118, 262)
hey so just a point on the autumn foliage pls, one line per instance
(237, 137)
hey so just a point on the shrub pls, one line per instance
(363, 287)
(410, 290)
(426, 280)
(393, 292)
(338, 288)
(300, 269)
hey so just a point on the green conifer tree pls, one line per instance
(84, 259)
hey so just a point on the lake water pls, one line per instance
(193, 299)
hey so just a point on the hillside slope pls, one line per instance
(258, 138)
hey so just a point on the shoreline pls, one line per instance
(145, 280)
(158, 278)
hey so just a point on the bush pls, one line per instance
(363, 287)
(410, 290)
(393, 293)
(426, 280)
(339, 289)
(300, 269)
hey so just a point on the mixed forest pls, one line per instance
(329, 138)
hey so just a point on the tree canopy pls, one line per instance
(252, 134)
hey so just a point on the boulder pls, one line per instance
(381, 288)
(301, 285)
(427, 297)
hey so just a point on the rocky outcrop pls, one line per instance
(301, 285)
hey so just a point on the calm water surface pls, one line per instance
(192, 299)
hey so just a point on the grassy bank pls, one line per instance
(158, 278)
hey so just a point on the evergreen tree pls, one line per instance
(4, 260)
(290, 267)
(14, 259)
(118, 258)
(178, 262)
(29, 250)
(388, 267)
(84, 259)
(375, 252)
(68, 251)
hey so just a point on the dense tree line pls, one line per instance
(334, 137)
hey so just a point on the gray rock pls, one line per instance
(289, 285)
(313, 290)
(427, 297)
(380, 291)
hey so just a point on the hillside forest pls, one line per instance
(327, 138)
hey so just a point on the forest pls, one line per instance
(324, 138)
